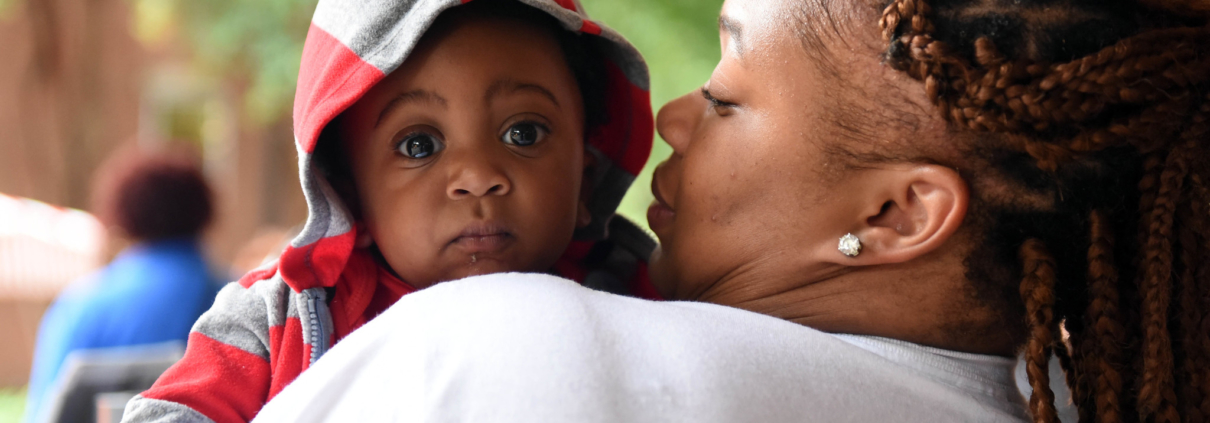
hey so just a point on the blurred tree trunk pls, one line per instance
(69, 94)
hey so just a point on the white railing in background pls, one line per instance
(43, 248)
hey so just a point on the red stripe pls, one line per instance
(265, 272)
(590, 27)
(283, 354)
(223, 382)
(318, 264)
(642, 128)
(332, 77)
(567, 4)
(627, 141)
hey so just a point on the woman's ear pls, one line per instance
(583, 214)
(912, 211)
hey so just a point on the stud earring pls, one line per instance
(850, 245)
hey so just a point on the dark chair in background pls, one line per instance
(88, 374)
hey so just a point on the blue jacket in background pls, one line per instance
(151, 293)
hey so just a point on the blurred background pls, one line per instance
(81, 78)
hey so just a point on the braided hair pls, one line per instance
(1103, 106)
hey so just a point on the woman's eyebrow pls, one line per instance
(511, 86)
(414, 96)
(736, 31)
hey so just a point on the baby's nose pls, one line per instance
(477, 177)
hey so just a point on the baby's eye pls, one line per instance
(419, 146)
(524, 134)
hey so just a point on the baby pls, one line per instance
(437, 141)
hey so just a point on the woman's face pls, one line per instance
(749, 193)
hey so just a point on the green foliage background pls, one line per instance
(12, 404)
(679, 39)
(258, 42)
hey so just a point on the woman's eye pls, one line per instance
(524, 134)
(419, 146)
(715, 103)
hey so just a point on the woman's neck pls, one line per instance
(929, 305)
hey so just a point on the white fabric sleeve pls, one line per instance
(528, 348)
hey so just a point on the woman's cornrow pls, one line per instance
(1147, 94)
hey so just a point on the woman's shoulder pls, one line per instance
(525, 347)
(529, 302)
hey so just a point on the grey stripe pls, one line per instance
(609, 187)
(292, 307)
(242, 317)
(146, 410)
(571, 21)
(617, 50)
(275, 297)
(328, 216)
(381, 32)
(632, 238)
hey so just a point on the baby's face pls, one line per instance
(469, 158)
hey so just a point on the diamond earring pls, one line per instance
(850, 245)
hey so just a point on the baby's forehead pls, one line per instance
(493, 22)
(461, 48)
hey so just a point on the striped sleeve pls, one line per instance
(225, 373)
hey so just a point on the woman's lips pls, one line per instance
(659, 215)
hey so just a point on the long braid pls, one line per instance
(1156, 390)
(1193, 215)
(1037, 289)
(1102, 316)
(1068, 356)
(1136, 104)
(1190, 316)
(1200, 332)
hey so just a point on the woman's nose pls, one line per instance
(676, 121)
(475, 175)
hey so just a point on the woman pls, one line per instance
(1063, 165)
(997, 175)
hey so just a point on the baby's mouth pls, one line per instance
(483, 237)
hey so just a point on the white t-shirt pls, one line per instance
(536, 348)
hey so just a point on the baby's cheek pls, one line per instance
(552, 217)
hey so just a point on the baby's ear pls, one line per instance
(583, 214)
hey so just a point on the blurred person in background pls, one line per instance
(153, 291)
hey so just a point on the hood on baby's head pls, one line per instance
(354, 44)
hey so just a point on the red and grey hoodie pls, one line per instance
(277, 321)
